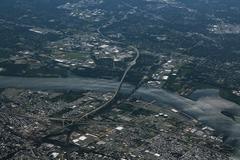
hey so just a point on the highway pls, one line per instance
(76, 121)
(108, 103)
(204, 110)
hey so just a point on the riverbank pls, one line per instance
(206, 109)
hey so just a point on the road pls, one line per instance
(114, 97)
(206, 112)
(76, 121)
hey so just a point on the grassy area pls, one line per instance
(187, 78)
(72, 55)
(177, 83)
(172, 84)
(68, 96)
(76, 55)
(5, 52)
(227, 94)
(1, 90)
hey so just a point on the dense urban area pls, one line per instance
(119, 79)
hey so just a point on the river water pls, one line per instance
(204, 105)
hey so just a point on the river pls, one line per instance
(205, 105)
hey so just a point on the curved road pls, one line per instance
(105, 105)
(207, 110)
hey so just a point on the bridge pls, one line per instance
(78, 120)
(109, 102)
